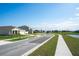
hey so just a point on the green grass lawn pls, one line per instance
(8, 36)
(73, 44)
(65, 33)
(14, 37)
(48, 49)
(18, 38)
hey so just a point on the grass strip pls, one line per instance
(48, 49)
(73, 44)
(3, 37)
(14, 37)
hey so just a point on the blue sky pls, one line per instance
(41, 16)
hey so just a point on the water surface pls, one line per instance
(76, 35)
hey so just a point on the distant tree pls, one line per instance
(55, 31)
(24, 27)
(66, 31)
(42, 31)
(36, 31)
(76, 31)
(48, 31)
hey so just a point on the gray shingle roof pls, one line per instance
(7, 27)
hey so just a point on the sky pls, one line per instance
(44, 16)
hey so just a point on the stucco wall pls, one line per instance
(23, 32)
(4, 32)
(10, 32)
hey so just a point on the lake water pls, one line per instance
(76, 36)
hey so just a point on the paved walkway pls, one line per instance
(62, 49)
(2, 42)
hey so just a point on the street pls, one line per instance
(21, 47)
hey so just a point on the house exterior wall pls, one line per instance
(5, 32)
(10, 32)
(15, 31)
(23, 32)
(20, 31)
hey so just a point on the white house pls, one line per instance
(11, 30)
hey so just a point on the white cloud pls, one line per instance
(68, 25)
(77, 14)
(65, 25)
(77, 8)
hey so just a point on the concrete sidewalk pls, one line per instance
(62, 49)
(2, 42)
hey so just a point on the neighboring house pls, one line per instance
(12, 30)
(26, 28)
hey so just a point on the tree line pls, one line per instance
(30, 30)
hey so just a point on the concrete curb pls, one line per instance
(33, 49)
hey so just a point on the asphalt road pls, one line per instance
(21, 47)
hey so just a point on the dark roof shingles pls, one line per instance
(6, 27)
